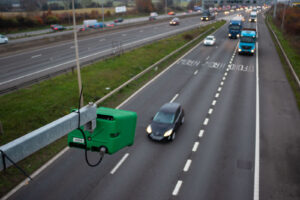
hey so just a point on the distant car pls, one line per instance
(166, 122)
(231, 10)
(152, 18)
(83, 28)
(174, 22)
(209, 40)
(99, 25)
(112, 24)
(153, 14)
(226, 12)
(190, 11)
(3, 39)
(58, 27)
(171, 13)
(118, 20)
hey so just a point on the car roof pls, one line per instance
(170, 107)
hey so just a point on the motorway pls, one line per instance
(216, 151)
(17, 68)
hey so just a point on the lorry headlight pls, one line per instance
(168, 133)
(149, 129)
(249, 20)
(255, 20)
(229, 34)
(201, 18)
(252, 50)
(238, 35)
(240, 50)
(206, 18)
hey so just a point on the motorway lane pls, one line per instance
(18, 68)
(152, 168)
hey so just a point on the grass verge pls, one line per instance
(292, 54)
(30, 108)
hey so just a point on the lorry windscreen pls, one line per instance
(247, 39)
(234, 27)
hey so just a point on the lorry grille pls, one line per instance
(246, 47)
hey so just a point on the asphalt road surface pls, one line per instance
(18, 68)
(213, 155)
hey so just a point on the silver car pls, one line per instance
(210, 40)
(3, 39)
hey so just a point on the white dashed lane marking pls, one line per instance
(187, 165)
(177, 188)
(195, 147)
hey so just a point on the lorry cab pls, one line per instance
(235, 27)
(247, 41)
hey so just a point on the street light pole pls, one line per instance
(283, 16)
(102, 12)
(166, 6)
(275, 8)
(77, 54)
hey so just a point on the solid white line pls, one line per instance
(214, 102)
(175, 97)
(210, 111)
(187, 165)
(222, 83)
(36, 56)
(201, 133)
(124, 35)
(102, 40)
(177, 188)
(119, 163)
(196, 72)
(72, 47)
(217, 95)
(195, 147)
(219, 89)
(206, 121)
(257, 133)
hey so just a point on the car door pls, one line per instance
(177, 118)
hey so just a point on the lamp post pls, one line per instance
(166, 6)
(275, 8)
(77, 53)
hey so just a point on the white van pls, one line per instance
(89, 23)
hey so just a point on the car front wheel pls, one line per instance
(173, 136)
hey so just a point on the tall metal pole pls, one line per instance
(102, 12)
(275, 8)
(77, 54)
(166, 6)
(283, 16)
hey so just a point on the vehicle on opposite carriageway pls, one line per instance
(247, 41)
(206, 16)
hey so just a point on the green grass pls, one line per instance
(28, 109)
(292, 54)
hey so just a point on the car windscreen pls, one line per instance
(209, 38)
(247, 39)
(234, 27)
(164, 117)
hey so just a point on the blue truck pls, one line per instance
(247, 41)
(235, 27)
